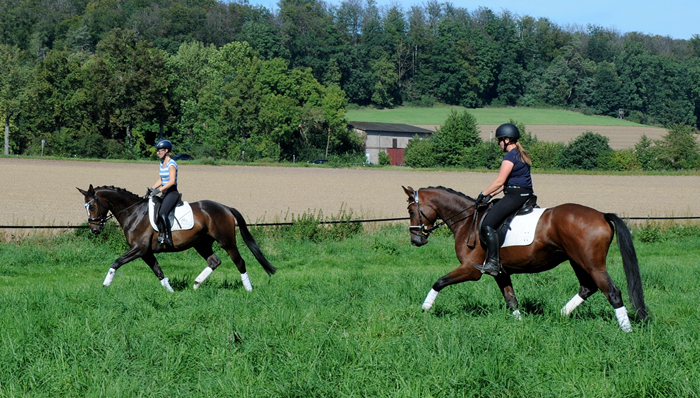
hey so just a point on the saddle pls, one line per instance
(181, 216)
(528, 207)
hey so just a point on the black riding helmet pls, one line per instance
(508, 130)
(166, 144)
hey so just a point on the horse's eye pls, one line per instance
(411, 213)
(92, 207)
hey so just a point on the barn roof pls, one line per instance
(389, 127)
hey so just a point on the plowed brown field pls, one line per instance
(42, 192)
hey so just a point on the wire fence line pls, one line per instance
(277, 224)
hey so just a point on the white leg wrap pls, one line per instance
(571, 305)
(166, 284)
(517, 315)
(430, 299)
(623, 320)
(109, 277)
(202, 277)
(246, 282)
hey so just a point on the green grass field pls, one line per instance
(438, 114)
(339, 319)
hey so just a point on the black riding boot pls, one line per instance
(493, 252)
(165, 238)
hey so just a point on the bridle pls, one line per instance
(425, 231)
(102, 220)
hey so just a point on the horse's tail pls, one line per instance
(630, 264)
(251, 243)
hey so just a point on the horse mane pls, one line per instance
(452, 191)
(117, 189)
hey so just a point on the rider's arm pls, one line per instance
(497, 185)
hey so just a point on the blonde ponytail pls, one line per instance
(524, 157)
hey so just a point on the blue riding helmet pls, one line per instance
(164, 144)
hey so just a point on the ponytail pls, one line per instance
(524, 157)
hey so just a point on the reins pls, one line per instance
(426, 231)
(103, 220)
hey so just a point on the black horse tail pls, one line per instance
(251, 243)
(630, 264)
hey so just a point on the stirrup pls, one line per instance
(488, 268)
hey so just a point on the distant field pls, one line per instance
(438, 114)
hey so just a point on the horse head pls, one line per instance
(423, 217)
(97, 210)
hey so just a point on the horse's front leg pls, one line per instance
(150, 259)
(506, 286)
(465, 272)
(133, 253)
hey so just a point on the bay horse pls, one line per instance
(572, 232)
(213, 222)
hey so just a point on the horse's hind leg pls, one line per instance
(230, 246)
(205, 250)
(600, 277)
(588, 287)
(150, 259)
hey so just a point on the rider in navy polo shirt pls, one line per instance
(516, 183)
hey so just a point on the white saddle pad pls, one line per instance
(522, 229)
(184, 219)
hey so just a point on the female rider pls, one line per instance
(516, 183)
(167, 184)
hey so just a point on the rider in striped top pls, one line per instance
(167, 184)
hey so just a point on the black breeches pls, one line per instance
(169, 201)
(508, 205)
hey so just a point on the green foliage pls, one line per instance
(622, 160)
(484, 155)
(583, 152)
(679, 149)
(452, 138)
(656, 232)
(314, 227)
(384, 159)
(545, 155)
(419, 153)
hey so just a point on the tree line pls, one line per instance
(106, 78)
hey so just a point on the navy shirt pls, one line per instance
(520, 175)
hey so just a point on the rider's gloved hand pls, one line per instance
(153, 192)
(481, 199)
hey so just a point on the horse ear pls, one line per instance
(81, 191)
(409, 191)
(91, 190)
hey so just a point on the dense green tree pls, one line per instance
(583, 152)
(452, 138)
(14, 75)
(130, 86)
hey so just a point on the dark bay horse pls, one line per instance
(213, 222)
(572, 232)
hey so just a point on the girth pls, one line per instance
(503, 229)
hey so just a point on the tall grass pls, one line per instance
(438, 114)
(341, 318)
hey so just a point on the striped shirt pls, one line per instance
(165, 172)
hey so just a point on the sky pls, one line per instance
(679, 19)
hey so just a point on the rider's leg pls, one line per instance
(169, 201)
(493, 252)
(498, 213)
